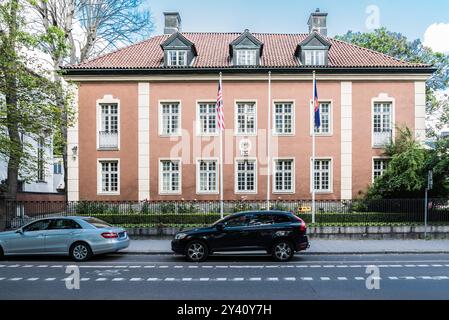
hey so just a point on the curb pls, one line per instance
(302, 253)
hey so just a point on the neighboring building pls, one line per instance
(135, 105)
(45, 180)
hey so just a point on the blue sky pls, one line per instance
(411, 18)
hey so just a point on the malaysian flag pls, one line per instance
(220, 114)
(316, 105)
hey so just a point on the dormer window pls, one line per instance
(246, 57)
(177, 58)
(313, 50)
(246, 50)
(314, 57)
(178, 51)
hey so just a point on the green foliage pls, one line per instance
(405, 175)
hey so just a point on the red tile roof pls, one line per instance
(213, 52)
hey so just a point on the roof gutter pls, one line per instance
(298, 70)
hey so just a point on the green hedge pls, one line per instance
(205, 219)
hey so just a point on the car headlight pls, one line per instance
(180, 236)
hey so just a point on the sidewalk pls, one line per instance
(151, 246)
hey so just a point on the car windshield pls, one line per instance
(97, 223)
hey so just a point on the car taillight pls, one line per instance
(109, 235)
(303, 226)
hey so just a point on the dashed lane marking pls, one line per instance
(342, 278)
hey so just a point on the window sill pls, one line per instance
(108, 193)
(108, 149)
(284, 192)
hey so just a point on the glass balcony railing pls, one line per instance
(108, 140)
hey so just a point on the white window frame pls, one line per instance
(161, 191)
(331, 175)
(177, 53)
(179, 131)
(247, 57)
(100, 180)
(331, 118)
(273, 124)
(198, 120)
(236, 160)
(293, 175)
(198, 161)
(107, 99)
(313, 57)
(383, 98)
(372, 166)
(236, 103)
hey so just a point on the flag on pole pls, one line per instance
(220, 114)
(316, 105)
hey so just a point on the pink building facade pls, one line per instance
(146, 126)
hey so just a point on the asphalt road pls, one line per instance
(417, 276)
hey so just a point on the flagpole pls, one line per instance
(221, 162)
(269, 143)
(313, 150)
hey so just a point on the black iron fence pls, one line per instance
(14, 214)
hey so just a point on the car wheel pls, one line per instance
(282, 251)
(196, 251)
(80, 251)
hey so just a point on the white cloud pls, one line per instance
(437, 37)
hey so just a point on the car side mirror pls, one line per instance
(219, 226)
(19, 231)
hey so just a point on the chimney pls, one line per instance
(172, 22)
(317, 22)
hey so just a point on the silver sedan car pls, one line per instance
(77, 237)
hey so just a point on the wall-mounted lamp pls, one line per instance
(74, 152)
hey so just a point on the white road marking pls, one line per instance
(135, 279)
(42, 266)
(273, 279)
(423, 265)
(177, 267)
(441, 278)
(426, 278)
(32, 279)
(163, 267)
(395, 265)
(149, 266)
(409, 278)
(325, 278)
(329, 266)
(221, 279)
(118, 279)
(410, 265)
(290, 278)
(393, 278)
(28, 266)
(437, 265)
(359, 278)
(56, 266)
(342, 278)
(186, 279)
(342, 266)
(135, 267)
(193, 267)
(224, 267)
(13, 266)
(50, 279)
(237, 279)
(2, 279)
(255, 279)
(355, 266)
(85, 279)
(302, 266)
(207, 267)
(315, 266)
(307, 278)
(2, 266)
(101, 279)
(169, 279)
(153, 279)
(204, 279)
(16, 279)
